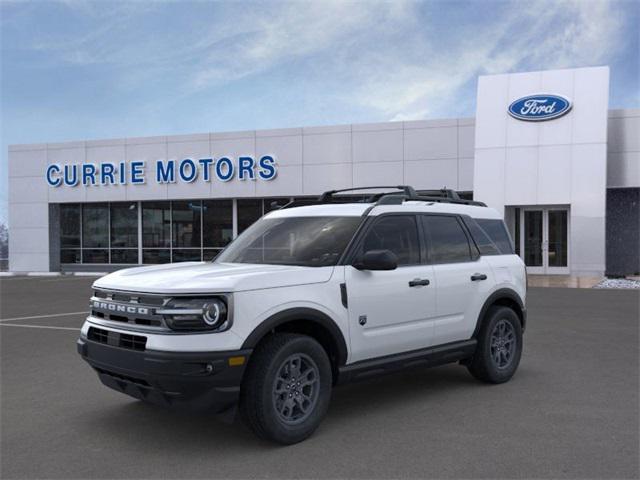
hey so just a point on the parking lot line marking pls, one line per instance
(41, 316)
(38, 326)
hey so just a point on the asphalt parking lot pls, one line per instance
(571, 411)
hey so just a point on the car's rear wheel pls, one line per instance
(286, 391)
(499, 346)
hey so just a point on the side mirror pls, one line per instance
(377, 260)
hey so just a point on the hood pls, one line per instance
(205, 277)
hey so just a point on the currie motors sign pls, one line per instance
(540, 107)
(187, 170)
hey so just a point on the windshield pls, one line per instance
(304, 241)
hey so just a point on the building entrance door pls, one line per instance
(542, 239)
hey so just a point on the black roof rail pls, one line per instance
(328, 195)
(404, 193)
(398, 199)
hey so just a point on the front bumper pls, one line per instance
(197, 380)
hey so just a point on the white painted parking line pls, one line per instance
(34, 317)
(38, 326)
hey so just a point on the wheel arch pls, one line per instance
(308, 321)
(503, 297)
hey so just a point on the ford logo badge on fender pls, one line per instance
(536, 108)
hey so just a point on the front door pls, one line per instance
(544, 239)
(391, 311)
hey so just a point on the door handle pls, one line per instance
(418, 282)
(478, 276)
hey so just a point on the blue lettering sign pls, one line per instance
(221, 165)
(165, 174)
(51, 180)
(188, 170)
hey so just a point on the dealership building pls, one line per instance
(544, 149)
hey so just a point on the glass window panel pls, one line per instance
(156, 224)
(69, 226)
(95, 225)
(124, 225)
(95, 256)
(271, 204)
(156, 256)
(446, 239)
(217, 222)
(533, 238)
(497, 232)
(125, 255)
(209, 254)
(485, 245)
(186, 224)
(249, 210)
(305, 241)
(70, 255)
(397, 233)
(185, 255)
(557, 238)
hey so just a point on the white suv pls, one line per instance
(309, 297)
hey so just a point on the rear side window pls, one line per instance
(497, 232)
(446, 239)
(482, 240)
(397, 233)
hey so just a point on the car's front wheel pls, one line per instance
(287, 388)
(499, 346)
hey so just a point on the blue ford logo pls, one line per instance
(536, 108)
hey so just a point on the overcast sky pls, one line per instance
(75, 70)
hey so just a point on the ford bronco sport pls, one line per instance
(309, 297)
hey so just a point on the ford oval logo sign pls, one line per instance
(536, 108)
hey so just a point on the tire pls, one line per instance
(499, 346)
(272, 404)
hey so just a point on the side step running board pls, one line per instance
(431, 357)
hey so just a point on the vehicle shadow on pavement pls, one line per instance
(133, 422)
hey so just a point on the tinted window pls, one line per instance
(95, 227)
(156, 224)
(446, 239)
(304, 241)
(483, 242)
(497, 232)
(217, 224)
(397, 233)
(249, 210)
(124, 225)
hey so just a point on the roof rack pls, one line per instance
(327, 196)
(404, 193)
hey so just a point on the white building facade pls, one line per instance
(544, 149)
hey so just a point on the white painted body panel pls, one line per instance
(399, 318)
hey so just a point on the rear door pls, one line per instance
(391, 311)
(463, 278)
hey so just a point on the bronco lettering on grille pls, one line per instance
(116, 307)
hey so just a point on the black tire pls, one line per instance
(265, 410)
(497, 363)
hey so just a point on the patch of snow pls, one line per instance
(618, 283)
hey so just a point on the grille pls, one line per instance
(129, 308)
(116, 339)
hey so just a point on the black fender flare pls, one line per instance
(501, 294)
(304, 314)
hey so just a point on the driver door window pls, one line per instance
(396, 233)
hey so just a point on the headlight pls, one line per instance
(196, 314)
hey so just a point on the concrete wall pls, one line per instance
(425, 154)
(556, 162)
(623, 148)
